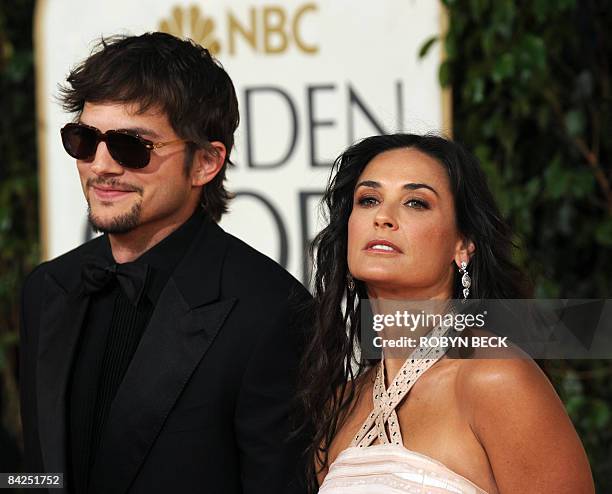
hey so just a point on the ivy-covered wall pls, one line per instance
(531, 96)
(19, 243)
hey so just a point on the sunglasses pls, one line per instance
(129, 150)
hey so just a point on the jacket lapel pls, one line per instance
(63, 311)
(61, 321)
(184, 323)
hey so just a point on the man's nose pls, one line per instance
(103, 163)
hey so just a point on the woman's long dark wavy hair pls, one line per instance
(332, 362)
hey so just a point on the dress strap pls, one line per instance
(386, 400)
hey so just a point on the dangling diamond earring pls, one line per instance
(466, 281)
(350, 282)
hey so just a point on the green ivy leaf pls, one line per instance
(427, 46)
(478, 7)
(532, 189)
(533, 52)
(574, 122)
(477, 87)
(444, 74)
(503, 68)
(540, 9)
(557, 181)
(600, 414)
(574, 406)
(488, 41)
(583, 184)
(571, 384)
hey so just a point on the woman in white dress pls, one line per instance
(408, 217)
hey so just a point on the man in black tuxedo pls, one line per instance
(161, 356)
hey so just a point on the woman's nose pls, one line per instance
(385, 219)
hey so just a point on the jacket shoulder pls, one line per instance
(62, 268)
(256, 271)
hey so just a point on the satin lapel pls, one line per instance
(173, 344)
(61, 321)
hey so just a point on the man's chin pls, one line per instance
(119, 223)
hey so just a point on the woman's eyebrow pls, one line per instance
(413, 186)
(368, 183)
(408, 186)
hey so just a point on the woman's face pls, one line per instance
(402, 237)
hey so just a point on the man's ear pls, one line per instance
(207, 163)
(464, 250)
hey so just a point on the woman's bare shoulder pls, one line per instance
(521, 423)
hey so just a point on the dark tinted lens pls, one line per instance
(79, 142)
(127, 150)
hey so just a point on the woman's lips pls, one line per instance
(382, 247)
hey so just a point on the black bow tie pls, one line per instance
(98, 273)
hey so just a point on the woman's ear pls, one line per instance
(464, 251)
(207, 163)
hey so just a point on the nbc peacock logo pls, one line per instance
(265, 29)
(189, 22)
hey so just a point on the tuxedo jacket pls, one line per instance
(207, 404)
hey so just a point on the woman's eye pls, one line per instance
(367, 201)
(416, 203)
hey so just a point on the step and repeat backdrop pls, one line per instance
(311, 78)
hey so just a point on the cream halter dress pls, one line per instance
(388, 467)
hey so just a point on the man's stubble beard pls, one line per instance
(123, 223)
